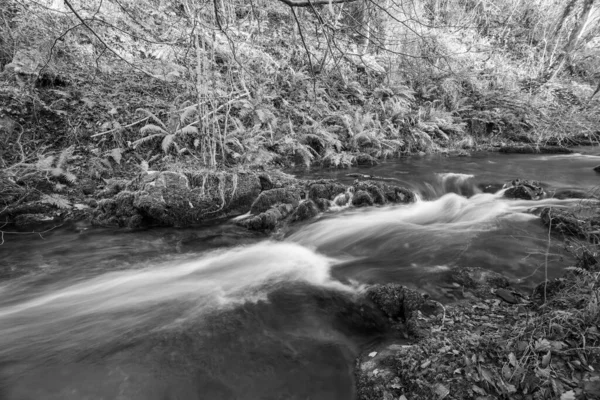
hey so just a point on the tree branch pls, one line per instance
(309, 3)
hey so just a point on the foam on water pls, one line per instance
(103, 308)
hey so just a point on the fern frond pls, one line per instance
(153, 117)
(64, 156)
(145, 139)
(187, 113)
(70, 177)
(56, 200)
(151, 128)
(167, 142)
(188, 130)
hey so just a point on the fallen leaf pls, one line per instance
(479, 390)
(570, 395)
(546, 359)
(441, 391)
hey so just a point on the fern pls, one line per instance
(167, 142)
(188, 130)
(187, 114)
(151, 128)
(56, 200)
(152, 117)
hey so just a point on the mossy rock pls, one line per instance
(306, 210)
(269, 198)
(325, 190)
(362, 198)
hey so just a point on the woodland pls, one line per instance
(96, 95)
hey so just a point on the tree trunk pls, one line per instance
(571, 45)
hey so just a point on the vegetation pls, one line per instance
(96, 91)
(291, 83)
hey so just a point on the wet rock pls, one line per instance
(365, 159)
(325, 190)
(265, 182)
(269, 198)
(507, 296)
(398, 194)
(342, 200)
(396, 301)
(472, 277)
(268, 220)
(322, 204)
(524, 189)
(181, 199)
(306, 210)
(530, 149)
(375, 190)
(362, 198)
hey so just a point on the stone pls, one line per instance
(524, 189)
(507, 296)
(268, 198)
(306, 210)
(476, 277)
(362, 198)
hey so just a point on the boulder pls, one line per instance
(396, 301)
(478, 278)
(362, 198)
(306, 210)
(268, 220)
(180, 198)
(269, 198)
(325, 190)
(524, 189)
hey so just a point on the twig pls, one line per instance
(27, 233)
(68, 4)
(121, 127)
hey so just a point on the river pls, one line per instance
(218, 312)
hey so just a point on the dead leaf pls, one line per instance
(570, 395)
(479, 390)
(546, 359)
(506, 372)
(441, 391)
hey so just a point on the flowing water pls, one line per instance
(217, 312)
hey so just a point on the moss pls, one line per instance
(272, 197)
(306, 210)
(325, 190)
(362, 198)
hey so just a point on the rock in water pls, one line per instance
(362, 198)
(524, 189)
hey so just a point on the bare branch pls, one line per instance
(309, 3)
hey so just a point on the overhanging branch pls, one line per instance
(309, 3)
